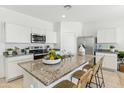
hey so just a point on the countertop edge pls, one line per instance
(18, 55)
(51, 82)
(106, 52)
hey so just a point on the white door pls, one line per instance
(68, 42)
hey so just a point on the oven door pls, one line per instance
(38, 57)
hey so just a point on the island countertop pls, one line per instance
(48, 74)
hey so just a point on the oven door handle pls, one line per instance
(41, 54)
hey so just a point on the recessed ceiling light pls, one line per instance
(67, 7)
(63, 16)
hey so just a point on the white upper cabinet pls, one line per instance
(17, 33)
(106, 36)
(1, 32)
(37, 31)
(51, 37)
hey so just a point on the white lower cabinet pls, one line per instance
(109, 61)
(1, 66)
(12, 69)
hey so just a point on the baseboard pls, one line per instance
(108, 69)
(12, 79)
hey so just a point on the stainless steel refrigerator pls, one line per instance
(89, 43)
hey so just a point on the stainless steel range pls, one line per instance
(38, 52)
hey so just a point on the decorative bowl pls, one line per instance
(51, 62)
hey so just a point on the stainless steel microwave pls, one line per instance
(36, 38)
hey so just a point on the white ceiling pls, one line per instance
(83, 13)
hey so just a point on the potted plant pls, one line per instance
(10, 51)
(121, 55)
(27, 50)
(112, 48)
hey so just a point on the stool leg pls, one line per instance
(102, 77)
(97, 74)
(96, 81)
(90, 81)
(71, 78)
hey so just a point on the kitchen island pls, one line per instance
(37, 74)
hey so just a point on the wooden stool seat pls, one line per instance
(65, 84)
(88, 66)
(78, 74)
(82, 83)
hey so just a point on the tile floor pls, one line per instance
(13, 84)
(112, 80)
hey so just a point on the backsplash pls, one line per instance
(21, 46)
(105, 46)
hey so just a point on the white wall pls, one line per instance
(22, 19)
(92, 27)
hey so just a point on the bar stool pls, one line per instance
(79, 73)
(88, 66)
(82, 83)
(101, 73)
(95, 68)
(96, 73)
(65, 84)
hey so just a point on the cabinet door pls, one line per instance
(1, 66)
(17, 33)
(37, 31)
(106, 36)
(109, 61)
(98, 56)
(51, 37)
(13, 70)
(1, 34)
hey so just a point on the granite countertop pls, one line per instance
(106, 51)
(9, 56)
(47, 74)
